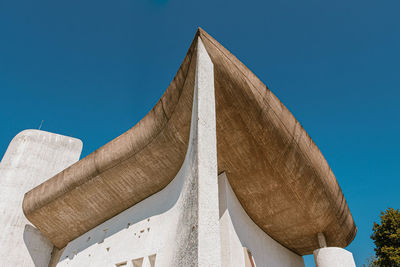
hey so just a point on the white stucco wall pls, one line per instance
(152, 227)
(145, 229)
(238, 231)
(32, 157)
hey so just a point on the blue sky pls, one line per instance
(87, 69)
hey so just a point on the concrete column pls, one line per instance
(321, 240)
(197, 235)
(207, 171)
(32, 157)
(332, 256)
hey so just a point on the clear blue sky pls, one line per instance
(92, 69)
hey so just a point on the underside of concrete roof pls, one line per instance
(276, 171)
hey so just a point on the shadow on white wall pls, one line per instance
(38, 246)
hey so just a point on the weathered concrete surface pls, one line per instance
(179, 225)
(203, 116)
(31, 158)
(333, 257)
(238, 231)
(277, 172)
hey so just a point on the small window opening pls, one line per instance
(137, 262)
(152, 260)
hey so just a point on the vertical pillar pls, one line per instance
(332, 256)
(207, 172)
(321, 240)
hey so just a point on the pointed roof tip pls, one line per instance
(200, 31)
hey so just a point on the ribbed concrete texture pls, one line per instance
(32, 157)
(333, 257)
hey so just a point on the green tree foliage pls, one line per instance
(386, 236)
(370, 262)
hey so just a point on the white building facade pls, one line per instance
(196, 219)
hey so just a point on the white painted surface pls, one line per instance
(149, 227)
(333, 257)
(209, 236)
(32, 157)
(157, 226)
(179, 224)
(238, 231)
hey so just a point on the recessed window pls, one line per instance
(124, 263)
(152, 260)
(137, 262)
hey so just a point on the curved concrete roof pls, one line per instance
(277, 172)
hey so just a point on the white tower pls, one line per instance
(31, 158)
